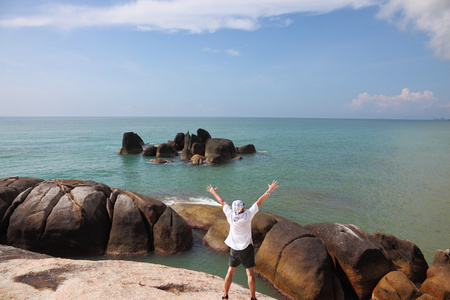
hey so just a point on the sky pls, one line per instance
(209, 58)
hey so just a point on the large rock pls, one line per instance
(11, 187)
(134, 217)
(216, 236)
(261, 225)
(199, 216)
(131, 143)
(179, 141)
(203, 135)
(186, 154)
(297, 263)
(149, 151)
(222, 147)
(247, 149)
(62, 217)
(171, 233)
(166, 150)
(437, 283)
(395, 286)
(360, 260)
(405, 256)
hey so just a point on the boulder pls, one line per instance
(222, 147)
(197, 160)
(11, 187)
(171, 233)
(131, 143)
(405, 256)
(216, 236)
(186, 154)
(158, 160)
(297, 263)
(165, 150)
(193, 139)
(359, 259)
(187, 139)
(134, 217)
(395, 286)
(215, 159)
(247, 149)
(198, 148)
(203, 135)
(62, 217)
(199, 216)
(261, 225)
(149, 151)
(179, 141)
(437, 283)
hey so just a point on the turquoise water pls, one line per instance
(382, 175)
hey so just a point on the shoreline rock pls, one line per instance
(29, 275)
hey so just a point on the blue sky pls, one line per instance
(265, 58)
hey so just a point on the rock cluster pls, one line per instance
(73, 217)
(196, 148)
(330, 260)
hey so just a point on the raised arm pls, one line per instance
(215, 194)
(263, 198)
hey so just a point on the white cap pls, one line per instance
(237, 206)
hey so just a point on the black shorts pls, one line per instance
(245, 257)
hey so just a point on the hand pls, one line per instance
(273, 186)
(211, 189)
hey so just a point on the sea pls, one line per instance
(391, 176)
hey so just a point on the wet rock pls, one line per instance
(437, 283)
(247, 149)
(131, 143)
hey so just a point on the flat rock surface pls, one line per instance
(28, 275)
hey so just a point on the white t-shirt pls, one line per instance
(240, 235)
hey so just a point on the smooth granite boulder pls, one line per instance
(437, 283)
(11, 187)
(261, 225)
(405, 256)
(216, 236)
(203, 136)
(199, 216)
(131, 143)
(395, 286)
(171, 233)
(185, 154)
(179, 141)
(198, 148)
(166, 150)
(359, 259)
(247, 149)
(197, 160)
(223, 147)
(62, 217)
(134, 217)
(297, 263)
(150, 151)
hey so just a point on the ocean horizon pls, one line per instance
(381, 175)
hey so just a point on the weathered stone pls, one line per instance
(131, 143)
(437, 283)
(11, 187)
(197, 160)
(203, 135)
(297, 263)
(179, 141)
(158, 160)
(216, 236)
(4, 223)
(261, 224)
(186, 154)
(149, 151)
(134, 217)
(222, 147)
(405, 256)
(215, 159)
(199, 216)
(198, 148)
(360, 260)
(247, 149)
(171, 233)
(395, 286)
(165, 150)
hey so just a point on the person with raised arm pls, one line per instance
(240, 237)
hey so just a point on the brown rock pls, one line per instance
(197, 159)
(437, 283)
(166, 150)
(360, 260)
(216, 236)
(199, 216)
(222, 147)
(149, 151)
(405, 256)
(171, 233)
(247, 149)
(261, 225)
(395, 286)
(131, 143)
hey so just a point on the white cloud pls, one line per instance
(407, 101)
(233, 52)
(430, 16)
(194, 16)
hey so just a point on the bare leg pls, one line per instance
(251, 282)
(228, 279)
